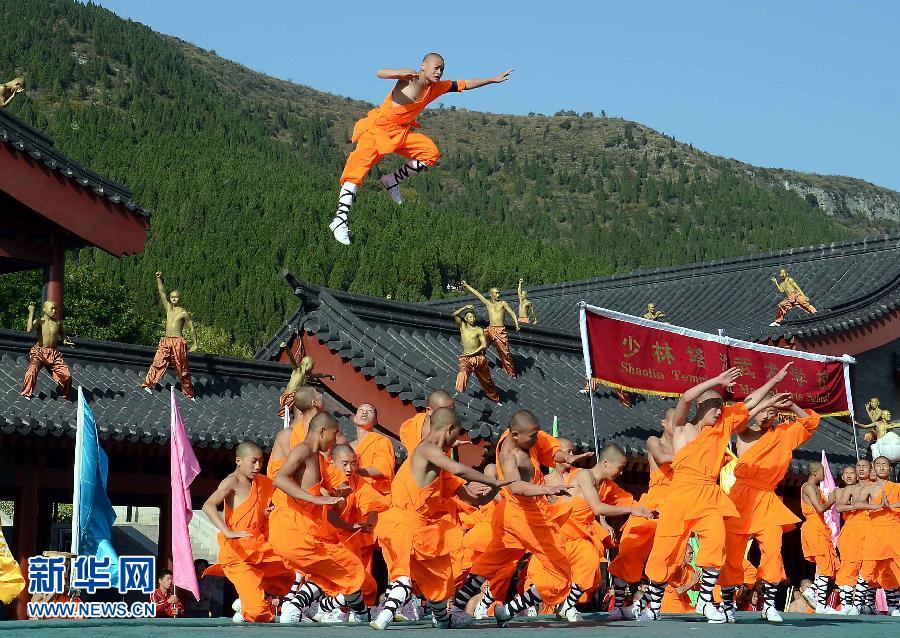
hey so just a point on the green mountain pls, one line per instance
(240, 173)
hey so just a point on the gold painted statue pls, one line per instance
(881, 419)
(44, 354)
(794, 296)
(301, 374)
(172, 349)
(495, 333)
(526, 307)
(9, 90)
(653, 314)
(473, 359)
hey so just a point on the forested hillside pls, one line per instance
(239, 171)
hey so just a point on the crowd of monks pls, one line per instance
(529, 531)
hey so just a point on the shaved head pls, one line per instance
(815, 466)
(247, 448)
(565, 444)
(305, 398)
(342, 451)
(443, 418)
(523, 421)
(440, 399)
(323, 421)
(612, 453)
(433, 56)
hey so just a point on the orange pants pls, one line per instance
(771, 565)
(584, 560)
(171, 351)
(850, 570)
(498, 336)
(414, 146)
(793, 301)
(286, 401)
(50, 358)
(668, 550)
(887, 573)
(634, 547)
(477, 363)
(331, 566)
(253, 581)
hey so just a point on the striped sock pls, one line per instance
(358, 606)
(398, 593)
(893, 599)
(295, 588)
(488, 598)
(407, 170)
(708, 579)
(330, 603)
(769, 591)
(521, 602)
(859, 592)
(846, 592)
(308, 594)
(572, 599)
(440, 613)
(870, 596)
(619, 587)
(821, 585)
(728, 599)
(654, 597)
(471, 587)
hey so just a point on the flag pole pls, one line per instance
(76, 478)
(587, 371)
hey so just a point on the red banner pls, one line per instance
(638, 355)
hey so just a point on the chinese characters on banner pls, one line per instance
(49, 574)
(634, 354)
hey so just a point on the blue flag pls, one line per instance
(92, 513)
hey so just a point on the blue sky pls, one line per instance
(811, 86)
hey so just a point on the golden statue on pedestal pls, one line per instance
(794, 296)
(301, 375)
(44, 354)
(172, 349)
(9, 90)
(473, 359)
(526, 307)
(495, 333)
(880, 420)
(653, 314)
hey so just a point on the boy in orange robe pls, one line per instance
(696, 504)
(765, 451)
(245, 556)
(388, 129)
(854, 575)
(881, 543)
(523, 522)
(417, 538)
(594, 497)
(676, 599)
(636, 538)
(413, 430)
(299, 529)
(815, 535)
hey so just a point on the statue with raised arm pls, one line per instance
(526, 307)
(10, 90)
(881, 419)
(172, 348)
(301, 374)
(794, 297)
(44, 354)
(473, 359)
(653, 314)
(495, 333)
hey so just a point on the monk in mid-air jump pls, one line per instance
(388, 129)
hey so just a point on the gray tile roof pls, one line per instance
(850, 283)
(22, 138)
(412, 349)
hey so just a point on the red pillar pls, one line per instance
(56, 271)
(25, 530)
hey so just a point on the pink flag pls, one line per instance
(184, 469)
(832, 516)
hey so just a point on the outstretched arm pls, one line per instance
(512, 314)
(456, 313)
(726, 379)
(524, 488)
(655, 449)
(477, 83)
(778, 284)
(290, 354)
(62, 333)
(214, 502)
(474, 292)
(759, 394)
(519, 289)
(397, 74)
(598, 507)
(31, 324)
(434, 455)
(285, 481)
(190, 323)
(161, 289)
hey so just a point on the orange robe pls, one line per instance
(676, 603)
(815, 538)
(250, 563)
(298, 433)
(696, 503)
(376, 450)
(882, 540)
(387, 129)
(762, 515)
(522, 525)
(636, 537)
(851, 542)
(301, 534)
(479, 526)
(411, 432)
(417, 537)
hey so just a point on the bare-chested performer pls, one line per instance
(172, 349)
(794, 297)
(473, 359)
(526, 306)
(495, 333)
(49, 329)
(301, 374)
